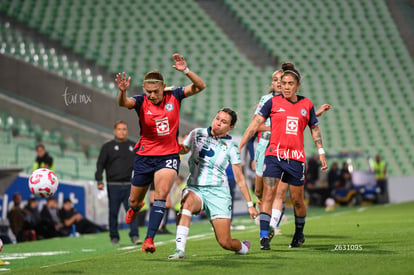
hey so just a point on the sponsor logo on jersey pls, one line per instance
(148, 113)
(292, 124)
(162, 126)
(169, 107)
(280, 110)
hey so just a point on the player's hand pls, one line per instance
(323, 162)
(123, 83)
(253, 212)
(253, 165)
(180, 64)
(100, 186)
(326, 107)
(323, 108)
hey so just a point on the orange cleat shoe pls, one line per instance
(131, 214)
(148, 245)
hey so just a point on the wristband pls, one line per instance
(249, 204)
(321, 151)
(186, 70)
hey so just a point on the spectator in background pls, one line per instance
(69, 217)
(43, 159)
(16, 217)
(32, 215)
(20, 222)
(380, 171)
(345, 180)
(117, 158)
(50, 225)
(312, 171)
(334, 177)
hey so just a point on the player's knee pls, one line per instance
(297, 202)
(280, 195)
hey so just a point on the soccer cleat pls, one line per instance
(115, 241)
(264, 244)
(297, 241)
(135, 240)
(131, 214)
(148, 245)
(178, 254)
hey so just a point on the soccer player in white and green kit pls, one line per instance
(212, 150)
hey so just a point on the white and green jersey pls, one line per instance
(210, 157)
(265, 135)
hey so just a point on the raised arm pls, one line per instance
(317, 138)
(251, 130)
(198, 84)
(322, 109)
(241, 182)
(123, 85)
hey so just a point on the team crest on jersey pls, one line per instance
(169, 107)
(162, 126)
(292, 124)
(303, 112)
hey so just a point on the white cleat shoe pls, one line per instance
(178, 254)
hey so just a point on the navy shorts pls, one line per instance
(146, 166)
(289, 171)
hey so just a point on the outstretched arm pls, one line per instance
(317, 138)
(322, 109)
(241, 182)
(198, 84)
(251, 130)
(123, 85)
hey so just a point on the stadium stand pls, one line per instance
(351, 57)
(133, 45)
(18, 139)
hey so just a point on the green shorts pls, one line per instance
(259, 156)
(216, 200)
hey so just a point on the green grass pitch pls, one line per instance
(360, 240)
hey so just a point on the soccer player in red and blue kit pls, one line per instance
(285, 156)
(157, 150)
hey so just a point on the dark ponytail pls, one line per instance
(289, 68)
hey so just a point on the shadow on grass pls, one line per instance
(264, 260)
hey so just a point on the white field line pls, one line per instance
(56, 264)
(14, 256)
